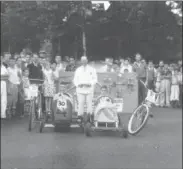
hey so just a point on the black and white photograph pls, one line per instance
(91, 84)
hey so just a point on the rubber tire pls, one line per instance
(41, 126)
(32, 110)
(87, 129)
(123, 133)
(144, 122)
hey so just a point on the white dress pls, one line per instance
(3, 93)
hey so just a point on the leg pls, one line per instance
(89, 98)
(81, 101)
(167, 88)
(162, 96)
(15, 98)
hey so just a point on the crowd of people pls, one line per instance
(20, 68)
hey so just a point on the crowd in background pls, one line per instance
(20, 68)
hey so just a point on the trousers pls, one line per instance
(174, 96)
(3, 99)
(82, 99)
(165, 89)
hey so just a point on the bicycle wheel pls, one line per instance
(138, 119)
(31, 115)
(39, 110)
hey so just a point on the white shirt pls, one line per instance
(128, 67)
(85, 75)
(3, 70)
(13, 75)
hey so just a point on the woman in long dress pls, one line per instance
(4, 72)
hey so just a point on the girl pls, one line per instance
(174, 96)
(49, 86)
(13, 82)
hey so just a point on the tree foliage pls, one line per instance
(142, 26)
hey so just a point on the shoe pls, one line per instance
(151, 116)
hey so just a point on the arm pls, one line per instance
(75, 81)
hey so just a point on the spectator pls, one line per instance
(180, 86)
(35, 69)
(71, 67)
(108, 66)
(174, 97)
(59, 65)
(28, 60)
(16, 56)
(180, 64)
(7, 56)
(127, 66)
(4, 72)
(151, 72)
(13, 83)
(141, 72)
(49, 87)
(165, 87)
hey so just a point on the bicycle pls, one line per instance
(142, 111)
(35, 102)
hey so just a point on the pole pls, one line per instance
(83, 31)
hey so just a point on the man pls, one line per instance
(85, 79)
(141, 72)
(165, 74)
(4, 73)
(71, 67)
(151, 72)
(35, 69)
(7, 56)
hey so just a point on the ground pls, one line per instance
(158, 146)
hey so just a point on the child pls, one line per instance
(104, 92)
(174, 96)
(49, 86)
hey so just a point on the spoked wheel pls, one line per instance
(138, 119)
(31, 115)
(87, 129)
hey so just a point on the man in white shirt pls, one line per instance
(4, 73)
(85, 79)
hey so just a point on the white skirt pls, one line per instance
(174, 96)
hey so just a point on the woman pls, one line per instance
(4, 73)
(49, 86)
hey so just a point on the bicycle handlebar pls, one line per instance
(158, 93)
